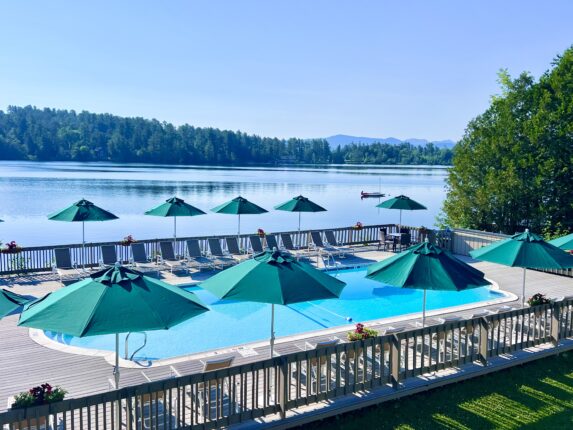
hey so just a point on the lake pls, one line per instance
(32, 190)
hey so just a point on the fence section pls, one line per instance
(463, 241)
(41, 258)
(222, 397)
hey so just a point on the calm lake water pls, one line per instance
(31, 190)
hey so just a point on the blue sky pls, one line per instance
(278, 68)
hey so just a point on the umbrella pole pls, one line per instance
(239, 229)
(424, 310)
(175, 234)
(400, 231)
(272, 329)
(299, 238)
(116, 368)
(116, 378)
(83, 245)
(523, 288)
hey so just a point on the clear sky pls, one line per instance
(303, 68)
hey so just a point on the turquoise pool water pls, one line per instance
(232, 323)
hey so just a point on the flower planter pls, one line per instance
(11, 251)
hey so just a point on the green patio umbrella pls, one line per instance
(239, 206)
(275, 278)
(10, 301)
(112, 301)
(299, 204)
(401, 203)
(526, 250)
(564, 242)
(82, 211)
(174, 207)
(426, 267)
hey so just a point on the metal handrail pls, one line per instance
(138, 349)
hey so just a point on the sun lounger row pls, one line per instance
(214, 258)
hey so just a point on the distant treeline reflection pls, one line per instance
(28, 133)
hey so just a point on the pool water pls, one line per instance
(232, 323)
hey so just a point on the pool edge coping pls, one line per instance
(39, 336)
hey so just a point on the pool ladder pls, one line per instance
(330, 262)
(127, 356)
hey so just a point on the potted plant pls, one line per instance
(128, 240)
(358, 226)
(537, 300)
(261, 232)
(41, 395)
(12, 248)
(361, 333)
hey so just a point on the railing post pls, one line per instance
(556, 322)
(283, 386)
(483, 341)
(395, 362)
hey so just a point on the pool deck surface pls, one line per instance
(25, 363)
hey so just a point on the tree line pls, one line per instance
(386, 153)
(29, 133)
(513, 168)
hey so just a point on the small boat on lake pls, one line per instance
(364, 195)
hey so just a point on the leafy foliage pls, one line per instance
(50, 134)
(39, 395)
(28, 133)
(361, 333)
(538, 299)
(385, 153)
(513, 167)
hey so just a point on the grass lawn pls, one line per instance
(538, 395)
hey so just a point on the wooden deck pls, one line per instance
(24, 363)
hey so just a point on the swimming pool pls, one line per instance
(231, 323)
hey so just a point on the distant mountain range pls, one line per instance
(343, 140)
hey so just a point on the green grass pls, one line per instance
(538, 395)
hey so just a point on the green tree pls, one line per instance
(512, 169)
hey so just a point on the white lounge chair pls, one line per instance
(169, 259)
(63, 265)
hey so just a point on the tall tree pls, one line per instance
(512, 169)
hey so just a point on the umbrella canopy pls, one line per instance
(10, 301)
(174, 207)
(299, 204)
(275, 278)
(82, 211)
(426, 267)
(239, 206)
(564, 242)
(526, 250)
(401, 203)
(112, 301)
